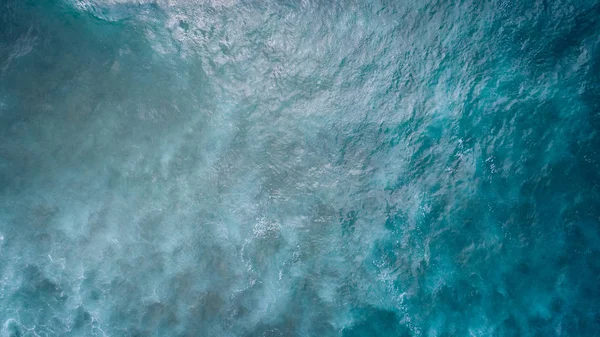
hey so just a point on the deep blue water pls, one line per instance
(299, 168)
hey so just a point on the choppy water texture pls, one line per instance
(299, 168)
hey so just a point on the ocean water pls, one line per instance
(299, 168)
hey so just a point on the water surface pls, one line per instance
(299, 168)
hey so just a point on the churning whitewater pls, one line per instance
(299, 168)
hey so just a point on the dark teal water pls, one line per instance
(299, 168)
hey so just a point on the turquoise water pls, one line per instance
(299, 168)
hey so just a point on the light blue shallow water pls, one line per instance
(299, 168)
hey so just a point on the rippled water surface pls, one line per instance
(299, 168)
